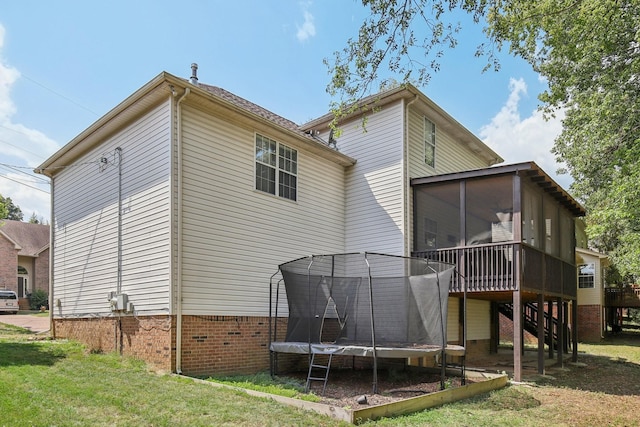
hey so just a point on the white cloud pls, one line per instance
(531, 138)
(308, 28)
(22, 147)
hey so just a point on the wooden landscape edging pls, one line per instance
(406, 406)
(430, 400)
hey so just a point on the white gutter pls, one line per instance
(179, 234)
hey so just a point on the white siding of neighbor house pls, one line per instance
(86, 227)
(595, 295)
(234, 237)
(375, 185)
(478, 319)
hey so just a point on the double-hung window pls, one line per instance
(276, 168)
(429, 143)
(586, 275)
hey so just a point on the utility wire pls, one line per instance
(19, 148)
(17, 169)
(22, 183)
(59, 94)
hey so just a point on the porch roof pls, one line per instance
(529, 170)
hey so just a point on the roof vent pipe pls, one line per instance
(194, 74)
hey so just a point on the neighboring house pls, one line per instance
(172, 212)
(591, 294)
(24, 258)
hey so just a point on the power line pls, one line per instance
(17, 169)
(59, 94)
(19, 148)
(22, 183)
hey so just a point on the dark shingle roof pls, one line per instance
(258, 110)
(32, 238)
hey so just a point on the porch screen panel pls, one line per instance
(551, 228)
(489, 210)
(437, 217)
(531, 214)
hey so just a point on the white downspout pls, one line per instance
(407, 183)
(52, 305)
(179, 234)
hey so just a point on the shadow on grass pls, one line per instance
(614, 370)
(16, 350)
(28, 353)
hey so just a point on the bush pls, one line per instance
(37, 299)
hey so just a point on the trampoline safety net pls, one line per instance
(367, 299)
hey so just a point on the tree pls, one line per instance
(588, 51)
(34, 219)
(8, 210)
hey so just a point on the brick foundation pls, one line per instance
(147, 337)
(589, 323)
(211, 345)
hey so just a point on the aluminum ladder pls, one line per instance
(318, 369)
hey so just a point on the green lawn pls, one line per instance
(58, 383)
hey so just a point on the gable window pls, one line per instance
(276, 168)
(586, 275)
(429, 143)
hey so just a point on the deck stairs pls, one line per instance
(530, 321)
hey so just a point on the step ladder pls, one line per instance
(316, 369)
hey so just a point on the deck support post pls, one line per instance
(550, 317)
(561, 323)
(540, 317)
(517, 335)
(574, 330)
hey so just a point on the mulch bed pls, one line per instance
(349, 387)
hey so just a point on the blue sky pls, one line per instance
(64, 64)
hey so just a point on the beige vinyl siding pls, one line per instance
(86, 222)
(451, 155)
(478, 319)
(453, 327)
(375, 184)
(595, 295)
(234, 237)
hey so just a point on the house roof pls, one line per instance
(158, 90)
(527, 169)
(420, 101)
(30, 239)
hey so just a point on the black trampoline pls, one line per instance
(363, 304)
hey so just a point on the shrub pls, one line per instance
(37, 299)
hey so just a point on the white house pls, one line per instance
(171, 213)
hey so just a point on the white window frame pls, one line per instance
(429, 143)
(582, 276)
(282, 161)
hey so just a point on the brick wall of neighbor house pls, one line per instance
(589, 323)
(8, 265)
(42, 272)
(150, 338)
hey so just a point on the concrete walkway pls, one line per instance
(35, 324)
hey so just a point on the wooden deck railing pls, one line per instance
(483, 268)
(622, 297)
(492, 268)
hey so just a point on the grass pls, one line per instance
(59, 383)
(263, 382)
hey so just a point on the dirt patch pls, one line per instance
(352, 388)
